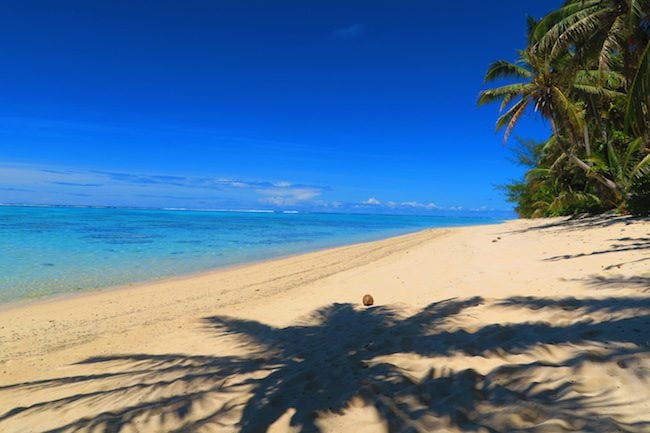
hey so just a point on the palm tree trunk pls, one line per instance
(598, 120)
(608, 183)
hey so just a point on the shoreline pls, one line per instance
(499, 306)
(156, 255)
(25, 303)
(165, 292)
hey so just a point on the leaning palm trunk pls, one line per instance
(587, 141)
(618, 192)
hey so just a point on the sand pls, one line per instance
(531, 326)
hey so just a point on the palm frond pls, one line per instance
(550, 145)
(614, 163)
(631, 151)
(505, 69)
(642, 168)
(510, 117)
(638, 105)
(611, 46)
(598, 163)
(586, 24)
(553, 25)
(638, 9)
(567, 110)
(559, 160)
(531, 24)
(506, 100)
(587, 89)
(609, 79)
(536, 173)
(498, 93)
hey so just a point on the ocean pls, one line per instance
(46, 251)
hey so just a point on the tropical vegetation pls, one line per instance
(586, 70)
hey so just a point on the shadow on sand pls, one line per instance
(620, 245)
(580, 222)
(342, 358)
(618, 282)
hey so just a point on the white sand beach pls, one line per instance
(529, 325)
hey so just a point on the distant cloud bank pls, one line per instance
(30, 184)
(58, 185)
(374, 202)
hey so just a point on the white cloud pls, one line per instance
(371, 201)
(26, 183)
(416, 205)
(288, 196)
(59, 182)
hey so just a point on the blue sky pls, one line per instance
(313, 105)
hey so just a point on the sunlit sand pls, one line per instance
(537, 326)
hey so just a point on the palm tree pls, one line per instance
(611, 29)
(617, 33)
(624, 165)
(587, 70)
(544, 88)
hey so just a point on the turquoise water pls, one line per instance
(49, 250)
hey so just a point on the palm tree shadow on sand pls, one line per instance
(341, 358)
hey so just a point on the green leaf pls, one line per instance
(505, 69)
(638, 104)
(642, 168)
(566, 109)
(510, 90)
(511, 117)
